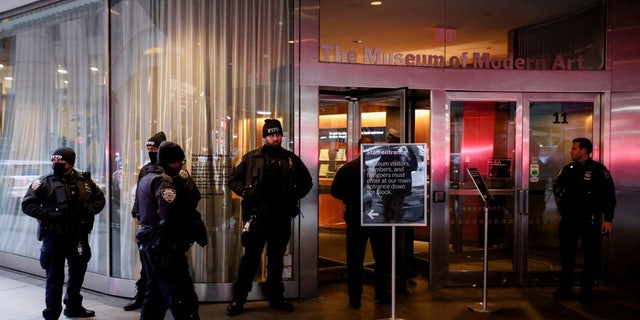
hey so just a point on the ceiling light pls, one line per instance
(376, 3)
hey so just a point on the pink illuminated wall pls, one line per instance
(478, 135)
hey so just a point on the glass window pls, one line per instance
(207, 73)
(482, 137)
(53, 74)
(531, 34)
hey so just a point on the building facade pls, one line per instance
(497, 88)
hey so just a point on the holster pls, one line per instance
(148, 237)
(42, 230)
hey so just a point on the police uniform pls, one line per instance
(165, 205)
(271, 181)
(346, 187)
(65, 206)
(586, 196)
(154, 141)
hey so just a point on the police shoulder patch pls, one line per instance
(168, 194)
(36, 184)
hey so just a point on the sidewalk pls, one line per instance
(22, 298)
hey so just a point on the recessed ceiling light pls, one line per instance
(357, 41)
(376, 3)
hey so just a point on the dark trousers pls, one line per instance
(589, 234)
(380, 238)
(141, 284)
(275, 233)
(52, 258)
(169, 285)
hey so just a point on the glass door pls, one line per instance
(518, 143)
(483, 135)
(554, 121)
(345, 115)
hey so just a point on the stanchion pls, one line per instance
(484, 306)
(393, 276)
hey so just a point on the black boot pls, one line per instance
(78, 312)
(136, 303)
(281, 304)
(235, 308)
(238, 298)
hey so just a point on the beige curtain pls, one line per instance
(53, 94)
(206, 73)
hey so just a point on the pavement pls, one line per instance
(22, 298)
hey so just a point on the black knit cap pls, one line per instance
(170, 152)
(157, 139)
(65, 153)
(271, 126)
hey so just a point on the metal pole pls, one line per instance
(485, 264)
(393, 272)
(393, 276)
(484, 306)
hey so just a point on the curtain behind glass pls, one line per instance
(200, 71)
(53, 95)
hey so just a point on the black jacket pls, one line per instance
(166, 205)
(584, 189)
(64, 204)
(143, 172)
(346, 184)
(248, 180)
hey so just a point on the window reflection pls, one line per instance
(207, 73)
(53, 94)
(532, 34)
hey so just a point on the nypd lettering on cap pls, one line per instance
(56, 157)
(273, 130)
(151, 143)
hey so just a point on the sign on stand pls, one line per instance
(394, 191)
(394, 184)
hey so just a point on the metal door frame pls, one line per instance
(441, 153)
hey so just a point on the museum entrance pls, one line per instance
(389, 116)
(517, 141)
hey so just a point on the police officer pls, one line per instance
(346, 187)
(152, 148)
(586, 198)
(65, 203)
(165, 206)
(271, 181)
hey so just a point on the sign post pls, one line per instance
(394, 191)
(486, 197)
